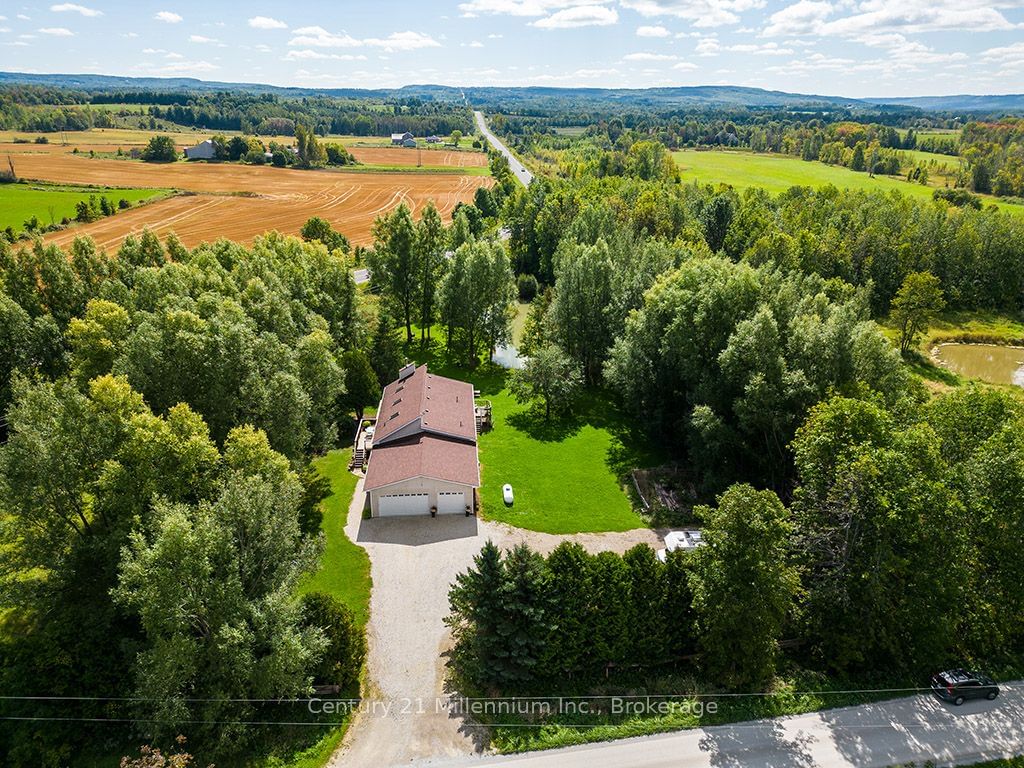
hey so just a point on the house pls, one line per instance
(202, 151)
(424, 458)
(401, 138)
(433, 139)
(411, 143)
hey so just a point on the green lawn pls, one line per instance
(567, 474)
(344, 567)
(777, 173)
(19, 202)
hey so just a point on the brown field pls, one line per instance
(409, 157)
(274, 198)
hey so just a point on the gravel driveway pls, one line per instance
(413, 562)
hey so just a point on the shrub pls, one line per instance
(123, 204)
(527, 286)
(346, 644)
(961, 198)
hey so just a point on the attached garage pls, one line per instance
(397, 504)
(449, 503)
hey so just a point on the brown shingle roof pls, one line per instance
(442, 406)
(423, 455)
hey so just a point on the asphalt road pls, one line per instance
(517, 168)
(913, 729)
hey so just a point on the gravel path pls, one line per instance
(413, 563)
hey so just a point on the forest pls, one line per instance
(47, 109)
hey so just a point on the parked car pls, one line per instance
(958, 685)
(506, 492)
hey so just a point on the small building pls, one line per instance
(202, 151)
(424, 459)
(410, 143)
(399, 139)
(433, 139)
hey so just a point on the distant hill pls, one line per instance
(1013, 102)
(541, 97)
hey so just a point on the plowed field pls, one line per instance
(272, 198)
(409, 156)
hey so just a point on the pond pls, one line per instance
(508, 357)
(996, 365)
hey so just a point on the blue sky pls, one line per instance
(841, 47)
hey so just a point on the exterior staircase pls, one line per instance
(358, 458)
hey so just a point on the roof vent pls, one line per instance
(406, 371)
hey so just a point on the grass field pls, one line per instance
(344, 567)
(567, 474)
(777, 173)
(19, 202)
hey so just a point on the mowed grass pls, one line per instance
(777, 173)
(344, 567)
(569, 474)
(20, 202)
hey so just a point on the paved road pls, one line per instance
(905, 730)
(517, 168)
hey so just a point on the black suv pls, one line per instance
(958, 685)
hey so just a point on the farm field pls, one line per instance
(19, 202)
(777, 173)
(241, 201)
(401, 156)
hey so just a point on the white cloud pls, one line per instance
(656, 31)
(685, 66)
(474, 8)
(173, 55)
(767, 49)
(201, 39)
(23, 17)
(803, 18)
(168, 17)
(56, 31)
(494, 37)
(474, 44)
(75, 8)
(130, 34)
(309, 54)
(708, 46)
(403, 41)
(4, 30)
(153, 50)
(318, 37)
(579, 16)
(871, 18)
(645, 56)
(321, 38)
(266, 22)
(701, 13)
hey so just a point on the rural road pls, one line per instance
(915, 729)
(517, 167)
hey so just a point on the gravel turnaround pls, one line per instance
(414, 561)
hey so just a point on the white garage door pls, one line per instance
(403, 504)
(450, 503)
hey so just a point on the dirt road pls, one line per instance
(413, 563)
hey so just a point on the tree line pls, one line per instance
(903, 531)
(156, 500)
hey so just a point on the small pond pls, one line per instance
(996, 365)
(508, 357)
